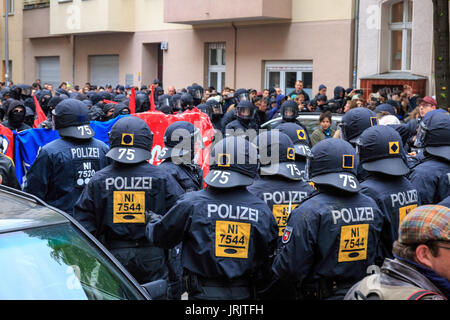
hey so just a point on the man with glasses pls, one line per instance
(426, 105)
(421, 268)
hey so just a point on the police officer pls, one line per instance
(165, 103)
(379, 153)
(115, 203)
(228, 234)
(244, 120)
(300, 138)
(180, 139)
(334, 235)
(240, 95)
(178, 155)
(196, 91)
(280, 182)
(186, 102)
(353, 124)
(215, 113)
(431, 176)
(64, 166)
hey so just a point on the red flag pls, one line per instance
(132, 104)
(40, 114)
(109, 101)
(7, 142)
(152, 99)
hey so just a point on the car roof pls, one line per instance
(20, 211)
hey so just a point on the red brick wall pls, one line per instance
(419, 86)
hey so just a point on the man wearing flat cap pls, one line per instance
(421, 268)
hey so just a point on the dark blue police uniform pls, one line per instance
(65, 166)
(334, 235)
(228, 234)
(115, 203)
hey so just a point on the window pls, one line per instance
(400, 33)
(216, 65)
(284, 74)
(10, 6)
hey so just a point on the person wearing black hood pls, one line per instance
(16, 116)
(47, 124)
(121, 109)
(108, 110)
(337, 104)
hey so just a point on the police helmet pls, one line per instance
(176, 101)
(186, 101)
(241, 95)
(434, 134)
(380, 149)
(131, 141)
(196, 91)
(71, 119)
(180, 140)
(333, 163)
(244, 110)
(355, 121)
(299, 137)
(215, 106)
(277, 155)
(289, 110)
(233, 163)
(165, 100)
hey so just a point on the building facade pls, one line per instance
(239, 44)
(395, 45)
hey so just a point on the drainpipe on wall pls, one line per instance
(7, 76)
(355, 46)
(235, 54)
(73, 60)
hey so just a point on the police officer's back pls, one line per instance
(379, 152)
(280, 182)
(180, 140)
(228, 234)
(431, 176)
(334, 235)
(115, 203)
(64, 166)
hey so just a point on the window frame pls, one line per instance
(403, 26)
(219, 68)
(299, 67)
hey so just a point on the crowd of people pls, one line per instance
(282, 214)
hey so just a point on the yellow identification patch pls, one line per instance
(301, 135)
(403, 211)
(281, 213)
(353, 244)
(224, 160)
(232, 239)
(127, 139)
(129, 207)
(394, 147)
(290, 154)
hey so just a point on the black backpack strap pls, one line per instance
(422, 293)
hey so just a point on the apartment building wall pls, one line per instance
(319, 32)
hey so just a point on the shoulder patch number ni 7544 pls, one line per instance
(232, 239)
(129, 207)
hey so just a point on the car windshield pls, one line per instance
(58, 263)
